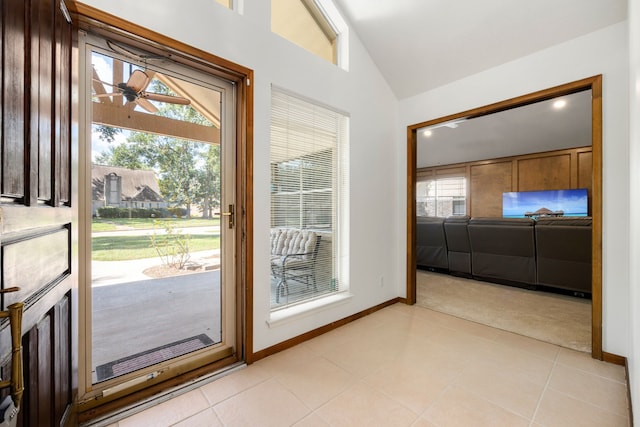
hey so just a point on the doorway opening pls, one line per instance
(594, 85)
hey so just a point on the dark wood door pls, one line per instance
(37, 228)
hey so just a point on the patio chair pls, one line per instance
(293, 257)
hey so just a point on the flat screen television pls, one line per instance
(533, 204)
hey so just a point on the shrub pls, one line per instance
(111, 212)
(177, 212)
(172, 246)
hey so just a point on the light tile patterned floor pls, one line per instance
(408, 366)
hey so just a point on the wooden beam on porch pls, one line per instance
(121, 117)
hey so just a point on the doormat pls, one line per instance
(151, 357)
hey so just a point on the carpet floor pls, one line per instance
(548, 317)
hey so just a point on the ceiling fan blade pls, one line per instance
(138, 80)
(104, 83)
(122, 51)
(146, 105)
(106, 95)
(132, 55)
(98, 85)
(164, 98)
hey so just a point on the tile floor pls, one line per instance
(408, 366)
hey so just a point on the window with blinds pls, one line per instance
(308, 192)
(441, 197)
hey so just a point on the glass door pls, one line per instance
(160, 156)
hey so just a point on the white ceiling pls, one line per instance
(419, 45)
(534, 128)
(422, 44)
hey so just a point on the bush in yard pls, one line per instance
(172, 246)
(177, 212)
(111, 212)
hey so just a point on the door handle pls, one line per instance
(16, 383)
(231, 214)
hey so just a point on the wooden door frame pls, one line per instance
(101, 23)
(591, 83)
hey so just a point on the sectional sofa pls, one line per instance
(552, 253)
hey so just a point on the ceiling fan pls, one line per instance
(133, 91)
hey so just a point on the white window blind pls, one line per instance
(308, 186)
(441, 197)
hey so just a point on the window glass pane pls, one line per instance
(441, 197)
(421, 198)
(459, 207)
(308, 188)
(315, 176)
(302, 23)
(155, 176)
(317, 209)
(287, 176)
(226, 3)
(285, 210)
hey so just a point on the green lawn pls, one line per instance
(122, 248)
(117, 224)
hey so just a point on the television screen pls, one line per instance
(533, 204)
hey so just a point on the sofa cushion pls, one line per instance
(459, 250)
(503, 249)
(563, 249)
(431, 244)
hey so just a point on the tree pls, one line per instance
(179, 163)
(210, 190)
(124, 155)
(107, 133)
(188, 171)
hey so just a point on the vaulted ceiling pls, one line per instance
(422, 44)
(419, 45)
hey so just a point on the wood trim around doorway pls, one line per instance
(591, 83)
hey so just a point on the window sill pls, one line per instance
(299, 311)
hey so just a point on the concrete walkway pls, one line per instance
(133, 312)
(213, 229)
(114, 272)
(136, 316)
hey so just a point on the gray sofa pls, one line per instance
(503, 250)
(563, 253)
(458, 246)
(431, 244)
(549, 252)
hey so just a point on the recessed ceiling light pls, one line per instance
(560, 103)
(427, 133)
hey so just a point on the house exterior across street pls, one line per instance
(121, 187)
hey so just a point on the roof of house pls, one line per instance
(137, 185)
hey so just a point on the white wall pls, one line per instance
(378, 142)
(634, 201)
(361, 92)
(603, 52)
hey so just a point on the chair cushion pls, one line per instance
(292, 241)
